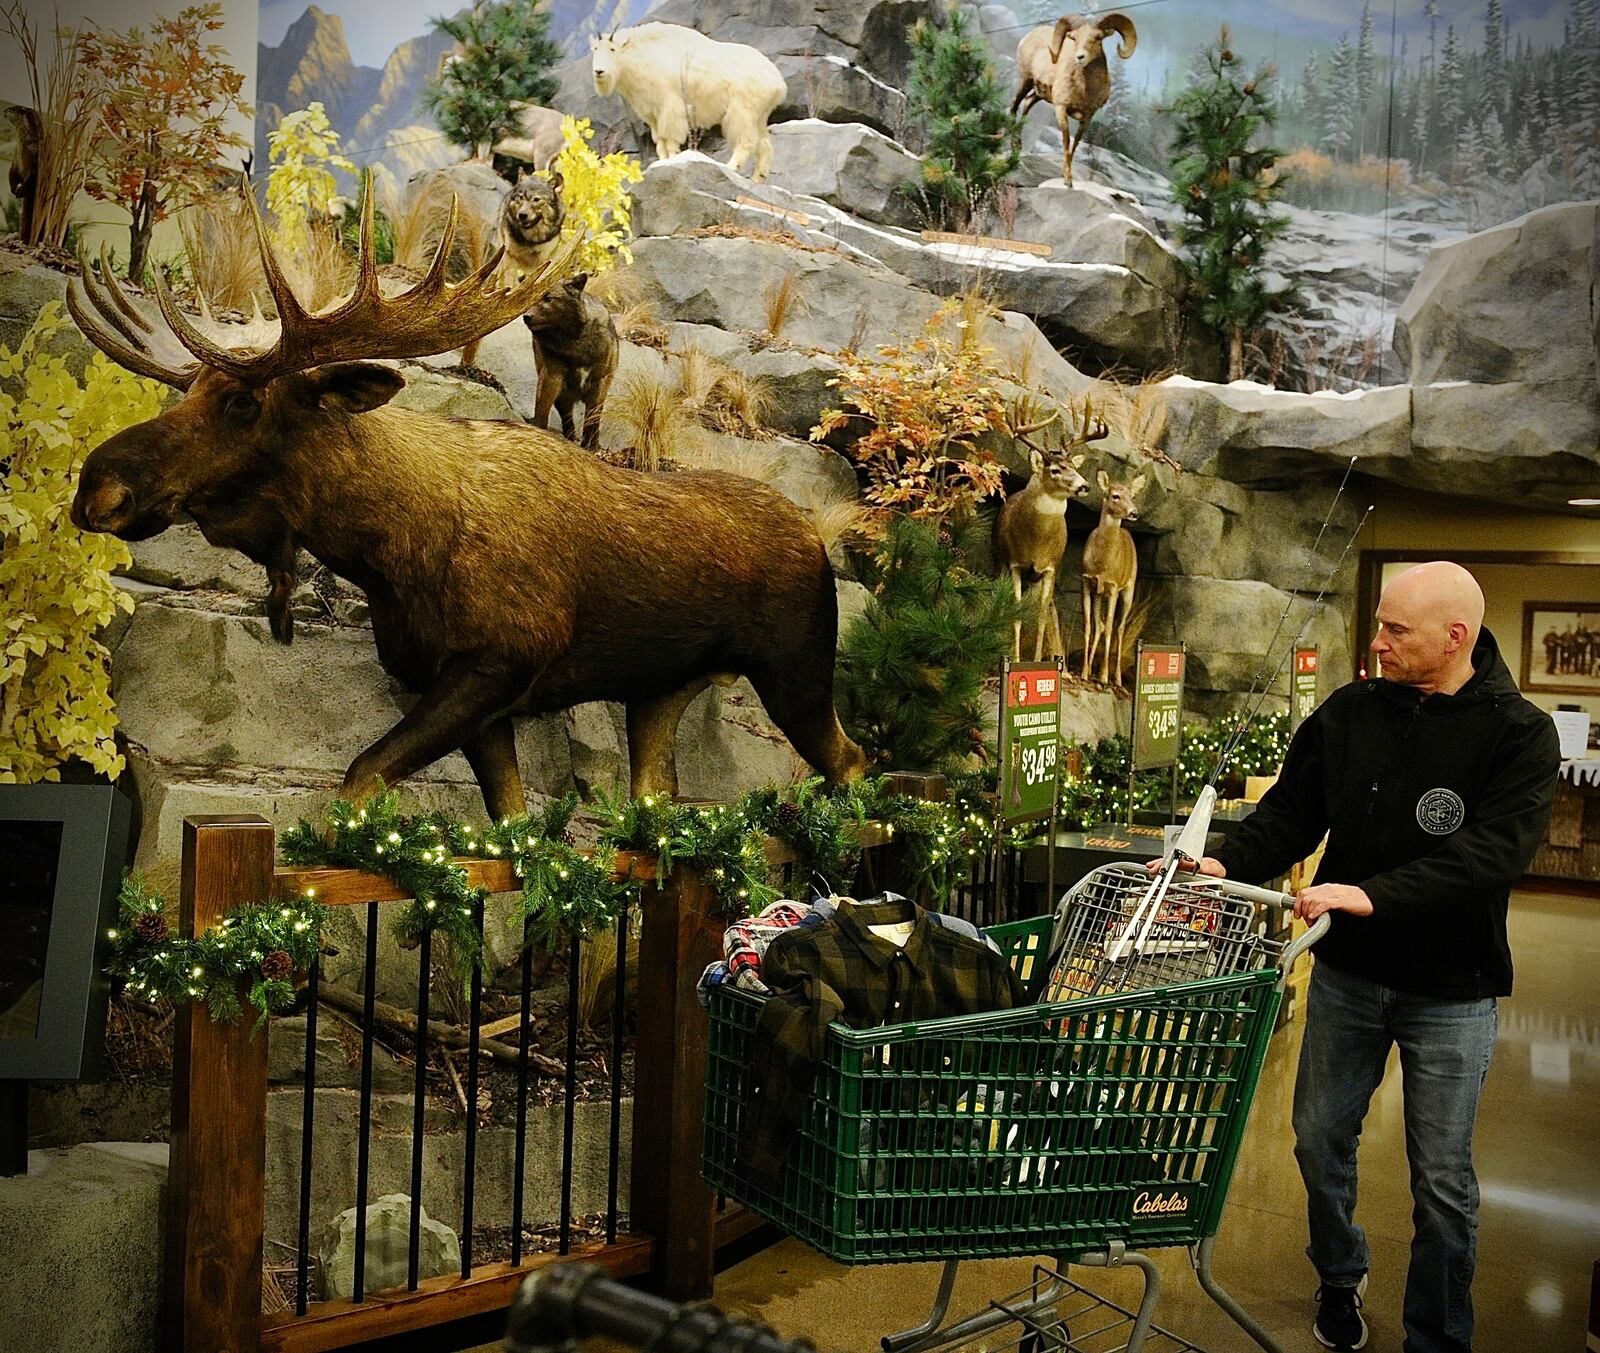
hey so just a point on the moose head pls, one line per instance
(506, 571)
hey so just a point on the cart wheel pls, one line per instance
(1053, 1337)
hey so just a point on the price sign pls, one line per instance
(1157, 706)
(1030, 741)
(1302, 687)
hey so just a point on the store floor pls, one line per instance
(1538, 1156)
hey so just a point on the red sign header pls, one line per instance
(1162, 663)
(1305, 660)
(1033, 686)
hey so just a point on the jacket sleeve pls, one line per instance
(1482, 859)
(785, 1053)
(1291, 817)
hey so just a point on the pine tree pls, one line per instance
(1469, 155)
(506, 57)
(912, 667)
(1311, 95)
(1364, 76)
(1496, 153)
(1338, 112)
(970, 141)
(1452, 92)
(1222, 179)
(1494, 61)
(1421, 121)
(1582, 74)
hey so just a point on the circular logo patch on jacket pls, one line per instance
(1440, 812)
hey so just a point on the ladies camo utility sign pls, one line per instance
(1157, 706)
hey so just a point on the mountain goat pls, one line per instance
(677, 79)
(1064, 64)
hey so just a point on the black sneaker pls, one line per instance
(1339, 1324)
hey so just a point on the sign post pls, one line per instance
(1302, 687)
(1030, 746)
(1157, 714)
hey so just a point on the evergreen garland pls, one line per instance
(1224, 180)
(971, 141)
(506, 58)
(262, 945)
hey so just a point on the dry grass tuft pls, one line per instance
(781, 300)
(322, 272)
(655, 419)
(1137, 411)
(736, 458)
(597, 972)
(839, 521)
(721, 395)
(623, 293)
(220, 245)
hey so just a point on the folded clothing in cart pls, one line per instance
(869, 964)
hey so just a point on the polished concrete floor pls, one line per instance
(1538, 1155)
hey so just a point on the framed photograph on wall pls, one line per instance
(1561, 647)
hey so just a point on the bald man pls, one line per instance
(1433, 783)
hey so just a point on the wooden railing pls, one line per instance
(217, 1183)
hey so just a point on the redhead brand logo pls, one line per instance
(1440, 812)
(1161, 1205)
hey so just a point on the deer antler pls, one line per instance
(1093, 428)
(1025, 433)
(433, 316)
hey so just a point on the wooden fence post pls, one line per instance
(216, 1177)
(682, 932)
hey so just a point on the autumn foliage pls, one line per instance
(168, 97)
(922, 409)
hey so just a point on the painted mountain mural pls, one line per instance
(378, 112)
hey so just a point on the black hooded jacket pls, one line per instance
(1433, 806)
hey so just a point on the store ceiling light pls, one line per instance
(1583, 502)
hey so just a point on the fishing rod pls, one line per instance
(1190, 847)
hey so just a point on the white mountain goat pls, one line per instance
(675, 79)
(1064, 64)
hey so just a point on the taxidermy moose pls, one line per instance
(507, 571)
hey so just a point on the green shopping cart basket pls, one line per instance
(1103, 1121)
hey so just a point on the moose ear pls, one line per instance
(353, 387)
(1101, 480)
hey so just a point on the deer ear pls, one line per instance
(1138, 484)
(1077, 461)
(1101, 480)
(1037, 461)
(352, 387)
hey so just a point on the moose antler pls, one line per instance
(433, 316)
(108, 319)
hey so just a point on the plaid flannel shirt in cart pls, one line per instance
(842, 971)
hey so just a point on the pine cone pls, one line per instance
(277, 966)
(151, 927)
(788, 814)
(567, 838)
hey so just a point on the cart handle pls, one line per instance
(1271, 897)
(562, 1304)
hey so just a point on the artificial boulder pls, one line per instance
(1509, 304)
(388, 1238)
(847, 165)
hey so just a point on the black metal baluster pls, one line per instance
(618, 1014)
(419, 1102)
(470, 1183)
(571, 1096)
(364, 1131)
(307, 1120)
(519, 1164)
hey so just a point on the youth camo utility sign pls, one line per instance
(1030, 724)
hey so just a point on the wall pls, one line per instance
(1407, 519)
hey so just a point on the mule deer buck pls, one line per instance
(1110, 569)
(507, 571)
(1032, 530)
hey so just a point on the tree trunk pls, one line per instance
(144, 219)
(1236, 354)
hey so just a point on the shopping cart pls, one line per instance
(571, 1302)
(1102, 1122)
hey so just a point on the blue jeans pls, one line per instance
(1445, 1047)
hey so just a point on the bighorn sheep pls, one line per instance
(677, 79)
(506, 570)
(1031, 533)
(1064, 64)
(1110, 569)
